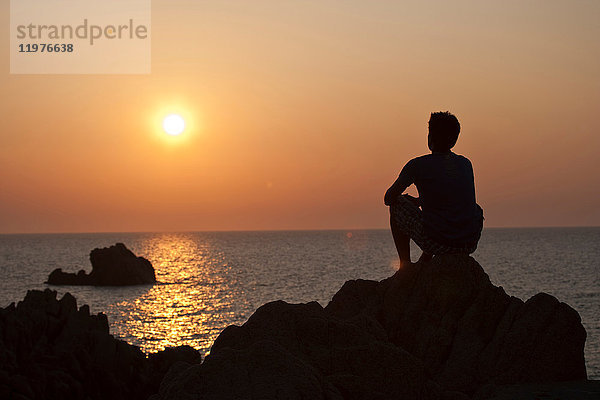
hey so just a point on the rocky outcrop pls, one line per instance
(580, 390)
(111, 266)
(437, 330)
(51, 349)
(432, 331)
(467, 331)
(297, 351)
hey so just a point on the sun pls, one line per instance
(174, 124)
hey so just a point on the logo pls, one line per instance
(80, 37)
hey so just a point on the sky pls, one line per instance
(300, 114)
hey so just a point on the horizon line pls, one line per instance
(274, 230)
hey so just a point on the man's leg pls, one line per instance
(425, 257)
(402, 242)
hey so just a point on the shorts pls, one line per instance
(407, 217)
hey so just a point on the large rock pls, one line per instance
(111, 266)
(467, 331)
(581, 390)
(432, 331)
(50, 349)
(297, 351)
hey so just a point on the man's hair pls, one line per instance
(444, 129)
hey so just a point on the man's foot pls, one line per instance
(425, 257)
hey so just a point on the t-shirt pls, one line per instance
(446, 189)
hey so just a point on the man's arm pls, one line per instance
(393, 192)
(405, 179)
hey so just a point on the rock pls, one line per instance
(111, 266)
(581, 390)
(297, 351)
(467, 331)
(50, 349)
(162, 361)
(437, 330)
(264, 371)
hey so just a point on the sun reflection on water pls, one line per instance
(190, 304)
(208, 281)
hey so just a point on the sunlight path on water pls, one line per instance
(210, 281)
(191, 302)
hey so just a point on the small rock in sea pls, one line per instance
(111, 266)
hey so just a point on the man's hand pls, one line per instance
(391, 196)
(399, 186)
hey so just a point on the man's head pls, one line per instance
(443, 131)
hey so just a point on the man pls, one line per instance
(449, 220)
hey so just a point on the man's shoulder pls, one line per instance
(462, 158)
(420, 159)
(433, 158)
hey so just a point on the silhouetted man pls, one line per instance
(449, 220)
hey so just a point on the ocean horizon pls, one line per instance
(275, 230)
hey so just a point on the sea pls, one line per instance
(210, 280)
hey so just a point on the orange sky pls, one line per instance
(302, 113)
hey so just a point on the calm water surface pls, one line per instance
(211, 280)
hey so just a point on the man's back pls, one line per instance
(447, 194)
